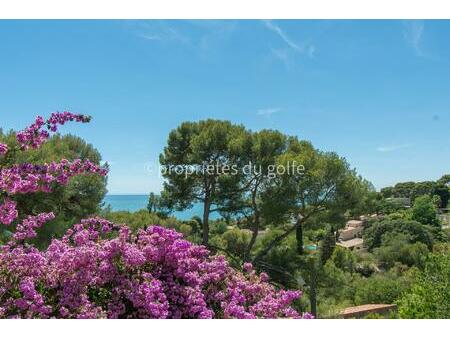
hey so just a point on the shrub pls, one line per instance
(380, 289)
(429, 296)
(397, 248)
(153, 274)
(424, 210)
(344, 259)
(415, 231)
(236, 241)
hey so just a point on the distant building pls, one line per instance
(404, 202)
(353, 229)
(356, 244)
(351, 237)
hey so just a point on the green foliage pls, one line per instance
(424, 210)
(318, 184)
(386, 206)
(255, 200)
(344, 259)
(282, 262)
(327, 182)
(398, 248)
(157, 205)
(446, 233)
(327, 246)
(366, 264)
(218, 227)
(142, 218)
(412, 190)
(383, 288)
(335, 282)
(429, 296)
(403, 189)
(234, 241)
(389, 315)
(415, 231)
(194, 148)
(325, 189)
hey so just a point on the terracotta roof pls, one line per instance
(367, 308)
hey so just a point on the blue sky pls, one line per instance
(376, 92)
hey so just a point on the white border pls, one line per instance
(224, 9)
(224, 328)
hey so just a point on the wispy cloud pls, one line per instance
(201, 36)
(275, 28)
(387, 149)
(267, 111)
(159, 31)
(292, 47)
(413, 31)
(151, 36)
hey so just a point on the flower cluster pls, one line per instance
(28, 178)
(26, 229)
(8, 212)
(3, 148)
(35, 135)
(90, 273)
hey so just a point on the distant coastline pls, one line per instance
(135, 202)
(126, 202)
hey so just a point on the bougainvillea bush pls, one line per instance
(102, 270)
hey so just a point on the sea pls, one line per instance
(137, 202)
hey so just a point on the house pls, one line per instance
(351, 237)
(353, 229)
(356, 244)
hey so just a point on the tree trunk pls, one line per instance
(299, 236)
(313, 291)
(205, 225)
(251, 244)
(255, 226)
